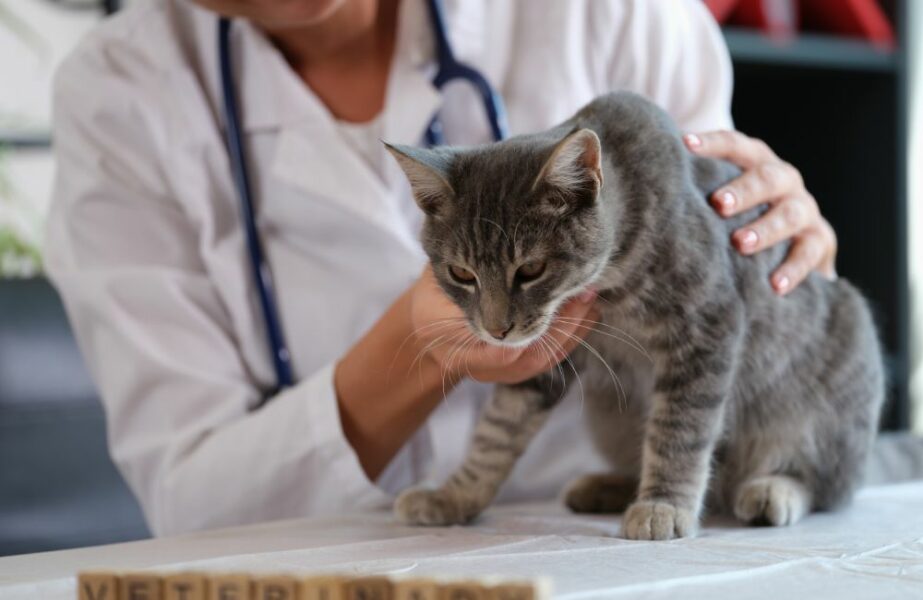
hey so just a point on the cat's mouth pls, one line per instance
(529, 333)
(514, 339)
(533, 329)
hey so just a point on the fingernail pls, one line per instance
(747, 239)
(782, 283)
(693, 142)
(726, 200)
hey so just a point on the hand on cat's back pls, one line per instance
(793, 215)
(443, 335)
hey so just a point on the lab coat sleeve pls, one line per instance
(672, 52)
(178, 398)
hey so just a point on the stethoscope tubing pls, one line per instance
(448, 69)
(262, 276)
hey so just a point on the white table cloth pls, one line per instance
(873, 549)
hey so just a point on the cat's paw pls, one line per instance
(438, 507)
(772, 500)
(603, 493)
(657, 520)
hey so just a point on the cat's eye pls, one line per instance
(462, 275)
(530, 271)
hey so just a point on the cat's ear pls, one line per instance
(428, 174)
(573, 171)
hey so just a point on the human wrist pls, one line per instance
(386, 386)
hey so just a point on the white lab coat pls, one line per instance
(145, 243)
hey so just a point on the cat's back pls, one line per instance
(645, 144)
(627, 113)
(634, 132)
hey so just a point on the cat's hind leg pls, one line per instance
(601, 493)
(507, 425)
(772, 500)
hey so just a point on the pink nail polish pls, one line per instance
(693, 141)
(783, 283)
(727, 199)
(748, 239)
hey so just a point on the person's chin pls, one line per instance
(276, 14)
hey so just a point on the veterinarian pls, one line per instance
(148, 248)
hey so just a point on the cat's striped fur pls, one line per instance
(770, 403)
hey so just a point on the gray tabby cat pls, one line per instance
(778, 396)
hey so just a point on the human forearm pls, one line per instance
(386, 387)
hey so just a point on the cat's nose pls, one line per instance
(498, 333)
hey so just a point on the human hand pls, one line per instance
(793, 212)
(442, 334)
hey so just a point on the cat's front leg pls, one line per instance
(691, 389)
(509, 421)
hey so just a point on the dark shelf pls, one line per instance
(836, 108)
(24, 140)
(809, 50)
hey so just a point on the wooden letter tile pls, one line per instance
(462, 590)
(513, 591)
(323, 588)
(277, 587)
(229, 587)
(98, 586)
(184, 586)
(416, 589)
(140, 586)
(369, 588)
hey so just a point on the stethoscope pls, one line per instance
(448, 69)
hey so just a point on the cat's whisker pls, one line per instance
(498, 226)
(554, 343)
(456, 319)
(585, 344)
(551, 354)
(580, 321)
(516, 229)
(449, 362)
(422, 352)
(540, 348)
(432, 345)
(600, 297)
(467, 362)
(470, 344)
(445, 368)
(630, 342)
(449, 338)
(436, 326)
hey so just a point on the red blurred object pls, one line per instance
(857, 18)
(721, 9)
(776, 17)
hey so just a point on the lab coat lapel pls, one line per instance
(314, 157)
(412, 100)
(317, 158)
(311, 154)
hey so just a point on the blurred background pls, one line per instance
(834, 86)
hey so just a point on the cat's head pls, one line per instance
(512, 229)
